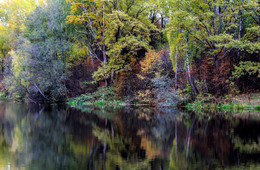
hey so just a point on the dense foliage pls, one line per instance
(145, 52)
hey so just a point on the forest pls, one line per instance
(155, 52)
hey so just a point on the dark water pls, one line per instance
(55, 137)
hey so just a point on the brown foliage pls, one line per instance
(79, 73)
(1, 84)
(128, 83)
(214, 74)
(166, 60)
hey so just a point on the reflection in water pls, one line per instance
(54, 137)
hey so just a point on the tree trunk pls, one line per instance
(91, 55)
(189, 70)
(216, 12)
(235, 28)
(176, 69)
(104, 46)
(240, 28)
(240, 24)
(162, 26)
(103, 36)
(3, 70)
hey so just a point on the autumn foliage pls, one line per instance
(149, 51)
(212, 79)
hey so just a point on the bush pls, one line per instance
(3, 95)
(163, 91)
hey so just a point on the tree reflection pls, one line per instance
(39, 139)
(53, 137)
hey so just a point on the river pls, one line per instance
(59, 137)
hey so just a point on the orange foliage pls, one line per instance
(151, 61)
(91, 63)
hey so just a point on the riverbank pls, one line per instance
(3, 95)
(106, 97)
(109, 97)
(252, 99)
(242, 102)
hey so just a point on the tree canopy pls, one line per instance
(49, 49)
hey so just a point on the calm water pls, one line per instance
(55, 137)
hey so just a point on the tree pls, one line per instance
(4, 45)
(211, 30)
(118, 30)
(40, 61)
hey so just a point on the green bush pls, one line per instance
(3, 95)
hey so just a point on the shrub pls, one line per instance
(3, 95)
(165, 94)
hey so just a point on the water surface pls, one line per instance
(59, 137)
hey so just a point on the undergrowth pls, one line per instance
(208, 103)
(101, 97)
